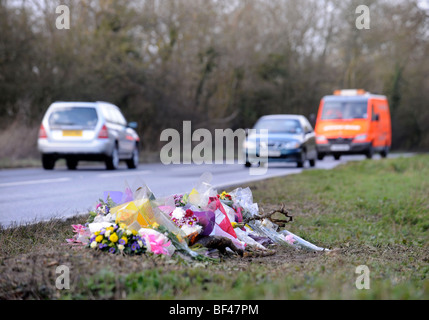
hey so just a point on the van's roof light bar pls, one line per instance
(350, 92)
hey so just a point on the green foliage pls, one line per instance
(217, 64)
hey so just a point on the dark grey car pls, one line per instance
(291, 138)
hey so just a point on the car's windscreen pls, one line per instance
(74, 116)
(290, 126)
(348, 110)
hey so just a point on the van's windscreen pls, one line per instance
(336, 110)
(279, 125)
(74, 116)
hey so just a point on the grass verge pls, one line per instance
(375, 212)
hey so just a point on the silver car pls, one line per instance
(90, 131)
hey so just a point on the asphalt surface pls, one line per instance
(32, 195)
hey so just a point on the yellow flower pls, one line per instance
(109, 229)
(134, 232)
(234, 224)
(97, 233)
(99, 239)
(155, 225)
(114, 238)
(122, 225)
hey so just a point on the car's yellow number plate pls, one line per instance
(72, 133)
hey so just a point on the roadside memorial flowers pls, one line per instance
(118, 239)
(194, 224)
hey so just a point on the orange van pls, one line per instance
(353, 122)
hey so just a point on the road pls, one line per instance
(30, 195)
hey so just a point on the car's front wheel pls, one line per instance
(300, 163)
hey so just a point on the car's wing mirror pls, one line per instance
(133, 125)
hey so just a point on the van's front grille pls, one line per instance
(341, 141)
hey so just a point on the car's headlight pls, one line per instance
(249, 145)
(321, 139)
(291, 145)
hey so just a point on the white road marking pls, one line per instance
(31, 182)
(123, 174)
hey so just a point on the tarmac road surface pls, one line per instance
(32, 195)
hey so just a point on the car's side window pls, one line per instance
(107, 114)
(113, 115)
(307, 126)
(120, 118)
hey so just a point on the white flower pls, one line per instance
(107, 234)
(140, 243)
(94, 244)
(121, 247)
(178, 213)
(129, 232)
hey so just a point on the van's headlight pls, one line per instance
(361, 137)
(291, 145)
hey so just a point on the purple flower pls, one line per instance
(112, 250)
(122, 241)
(135, 246)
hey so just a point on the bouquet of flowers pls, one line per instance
(118, 239)
(135, 223)
(186, 220)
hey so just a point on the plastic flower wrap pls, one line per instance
(102, 210)
(82, 235)
(156, 242)
(300, 243)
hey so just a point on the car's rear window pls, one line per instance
(74, 116)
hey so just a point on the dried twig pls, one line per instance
(269, 215)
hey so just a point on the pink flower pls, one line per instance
(80, 229)
(157, 246)
(290, 239)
